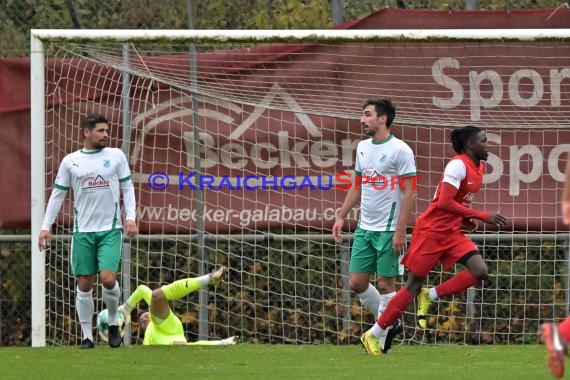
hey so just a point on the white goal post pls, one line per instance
(282, 107)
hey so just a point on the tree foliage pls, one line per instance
(19, 16)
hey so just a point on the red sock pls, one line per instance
(564, 331)
(395, 308)
(457, 284)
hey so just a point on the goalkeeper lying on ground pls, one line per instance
(160, 325)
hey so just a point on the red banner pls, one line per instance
(523, 180)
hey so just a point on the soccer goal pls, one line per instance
(238, 141)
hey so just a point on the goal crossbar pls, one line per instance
(302, 35)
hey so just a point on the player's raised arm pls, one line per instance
(448, 203)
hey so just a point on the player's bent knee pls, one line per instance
(158, 295)
(414, 288)
(357, 287)
(481, 274)
(109, 284)
(108, 279)
(415, 282)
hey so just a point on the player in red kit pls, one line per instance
(556, 338)
(437, 236)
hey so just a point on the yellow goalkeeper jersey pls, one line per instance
(164, 333)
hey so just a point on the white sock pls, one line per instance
(433, 294)
(370, 299)
(111, 300)
(85, 308)
(377, 331)
(204, 280)
(384, 299)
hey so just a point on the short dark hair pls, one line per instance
(92, 119)
(382, 107)
(461, 136)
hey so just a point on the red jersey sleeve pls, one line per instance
(447, 203)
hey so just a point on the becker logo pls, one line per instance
(286, 149)
(90, 183)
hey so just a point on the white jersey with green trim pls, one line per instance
(383, 165)
(95, 177)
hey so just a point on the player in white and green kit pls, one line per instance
(386, 190)
(161, 327)
(98, 175)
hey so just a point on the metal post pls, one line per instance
(126, 147)
(198, 194)
(472, 312)
(126, 102)
(567, 277)
(126, 285)
(337, 12)
(1, 313)
(38, 182)
(344, 270)
(471, 5)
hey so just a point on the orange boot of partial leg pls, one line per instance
(554, 349)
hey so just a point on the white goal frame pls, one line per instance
(37, 83)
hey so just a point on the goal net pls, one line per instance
(238, 140)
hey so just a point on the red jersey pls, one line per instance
(462, 173)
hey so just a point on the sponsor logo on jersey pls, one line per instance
(92, 183)
(468, 198)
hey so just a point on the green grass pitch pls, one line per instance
(257, 361)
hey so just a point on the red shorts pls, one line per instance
(426, 250)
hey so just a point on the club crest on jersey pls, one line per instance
(383, 158)
(106, 163)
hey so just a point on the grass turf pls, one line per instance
(256, 361)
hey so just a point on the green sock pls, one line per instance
(181, 288)
(141, 292)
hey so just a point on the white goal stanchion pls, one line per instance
(239, 141)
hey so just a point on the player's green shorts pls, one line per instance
(92, 252)
(165, 332)
(372, 252)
